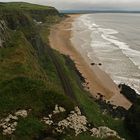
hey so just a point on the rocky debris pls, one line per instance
(75, 121)
(37, 22)
(9, 123)
(47, 120)
(104, 132)
(58, 109)
(78, 122)
(22, 113)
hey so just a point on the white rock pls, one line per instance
(95, 132)
(4, 126)
(8, 126)
(14, 124)
(22, 113)
(2, 123)
(56, 107)
(75, 121)
(72, 112)
(46, 118)
(78, 123)
(77, 110)
(50, 115)
(13, 129)
(7, 131)
(14, 118)
(61, 109)
(48, 122)
(7, 119)
(104, 132)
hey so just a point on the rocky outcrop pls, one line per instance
(129, 93)
(75, 121)
(10, 123)
(3, 33)
(78, 123)
(104, 132)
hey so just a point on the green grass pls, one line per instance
(27, 75)
(33, 95)
(90, 108)
(87, 136)
(23, 6)
(21, 93)
(26, 93)
(20, 60)
(29, 128)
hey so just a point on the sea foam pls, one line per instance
(113, 51)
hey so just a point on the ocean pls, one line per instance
(112, 39)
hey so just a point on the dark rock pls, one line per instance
(92, 64)
(129, 93)
(114, 111)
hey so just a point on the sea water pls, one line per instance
(112, 39)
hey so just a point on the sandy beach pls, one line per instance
(98, 81)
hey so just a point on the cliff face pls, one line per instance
(15, 16)
(24, 68)
(19, 32)
(36, 12)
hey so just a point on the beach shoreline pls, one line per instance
(97, 81)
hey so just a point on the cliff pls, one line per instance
(40, 89)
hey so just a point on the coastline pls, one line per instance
(98, 81)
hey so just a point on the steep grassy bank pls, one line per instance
(26, 71)
(36, 78)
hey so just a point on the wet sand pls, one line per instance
(98, 81)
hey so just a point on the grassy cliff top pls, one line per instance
(23, 6)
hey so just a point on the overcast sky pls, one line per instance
(88, 4)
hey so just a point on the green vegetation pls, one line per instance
(29, 128)
(23, 5)
(132, 120)
(89, 107)
(30, 80)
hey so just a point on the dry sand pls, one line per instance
(98, 81)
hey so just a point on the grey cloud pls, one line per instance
(88, 4)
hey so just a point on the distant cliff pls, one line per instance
(18, 15)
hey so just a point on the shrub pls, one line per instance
(28, 129)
